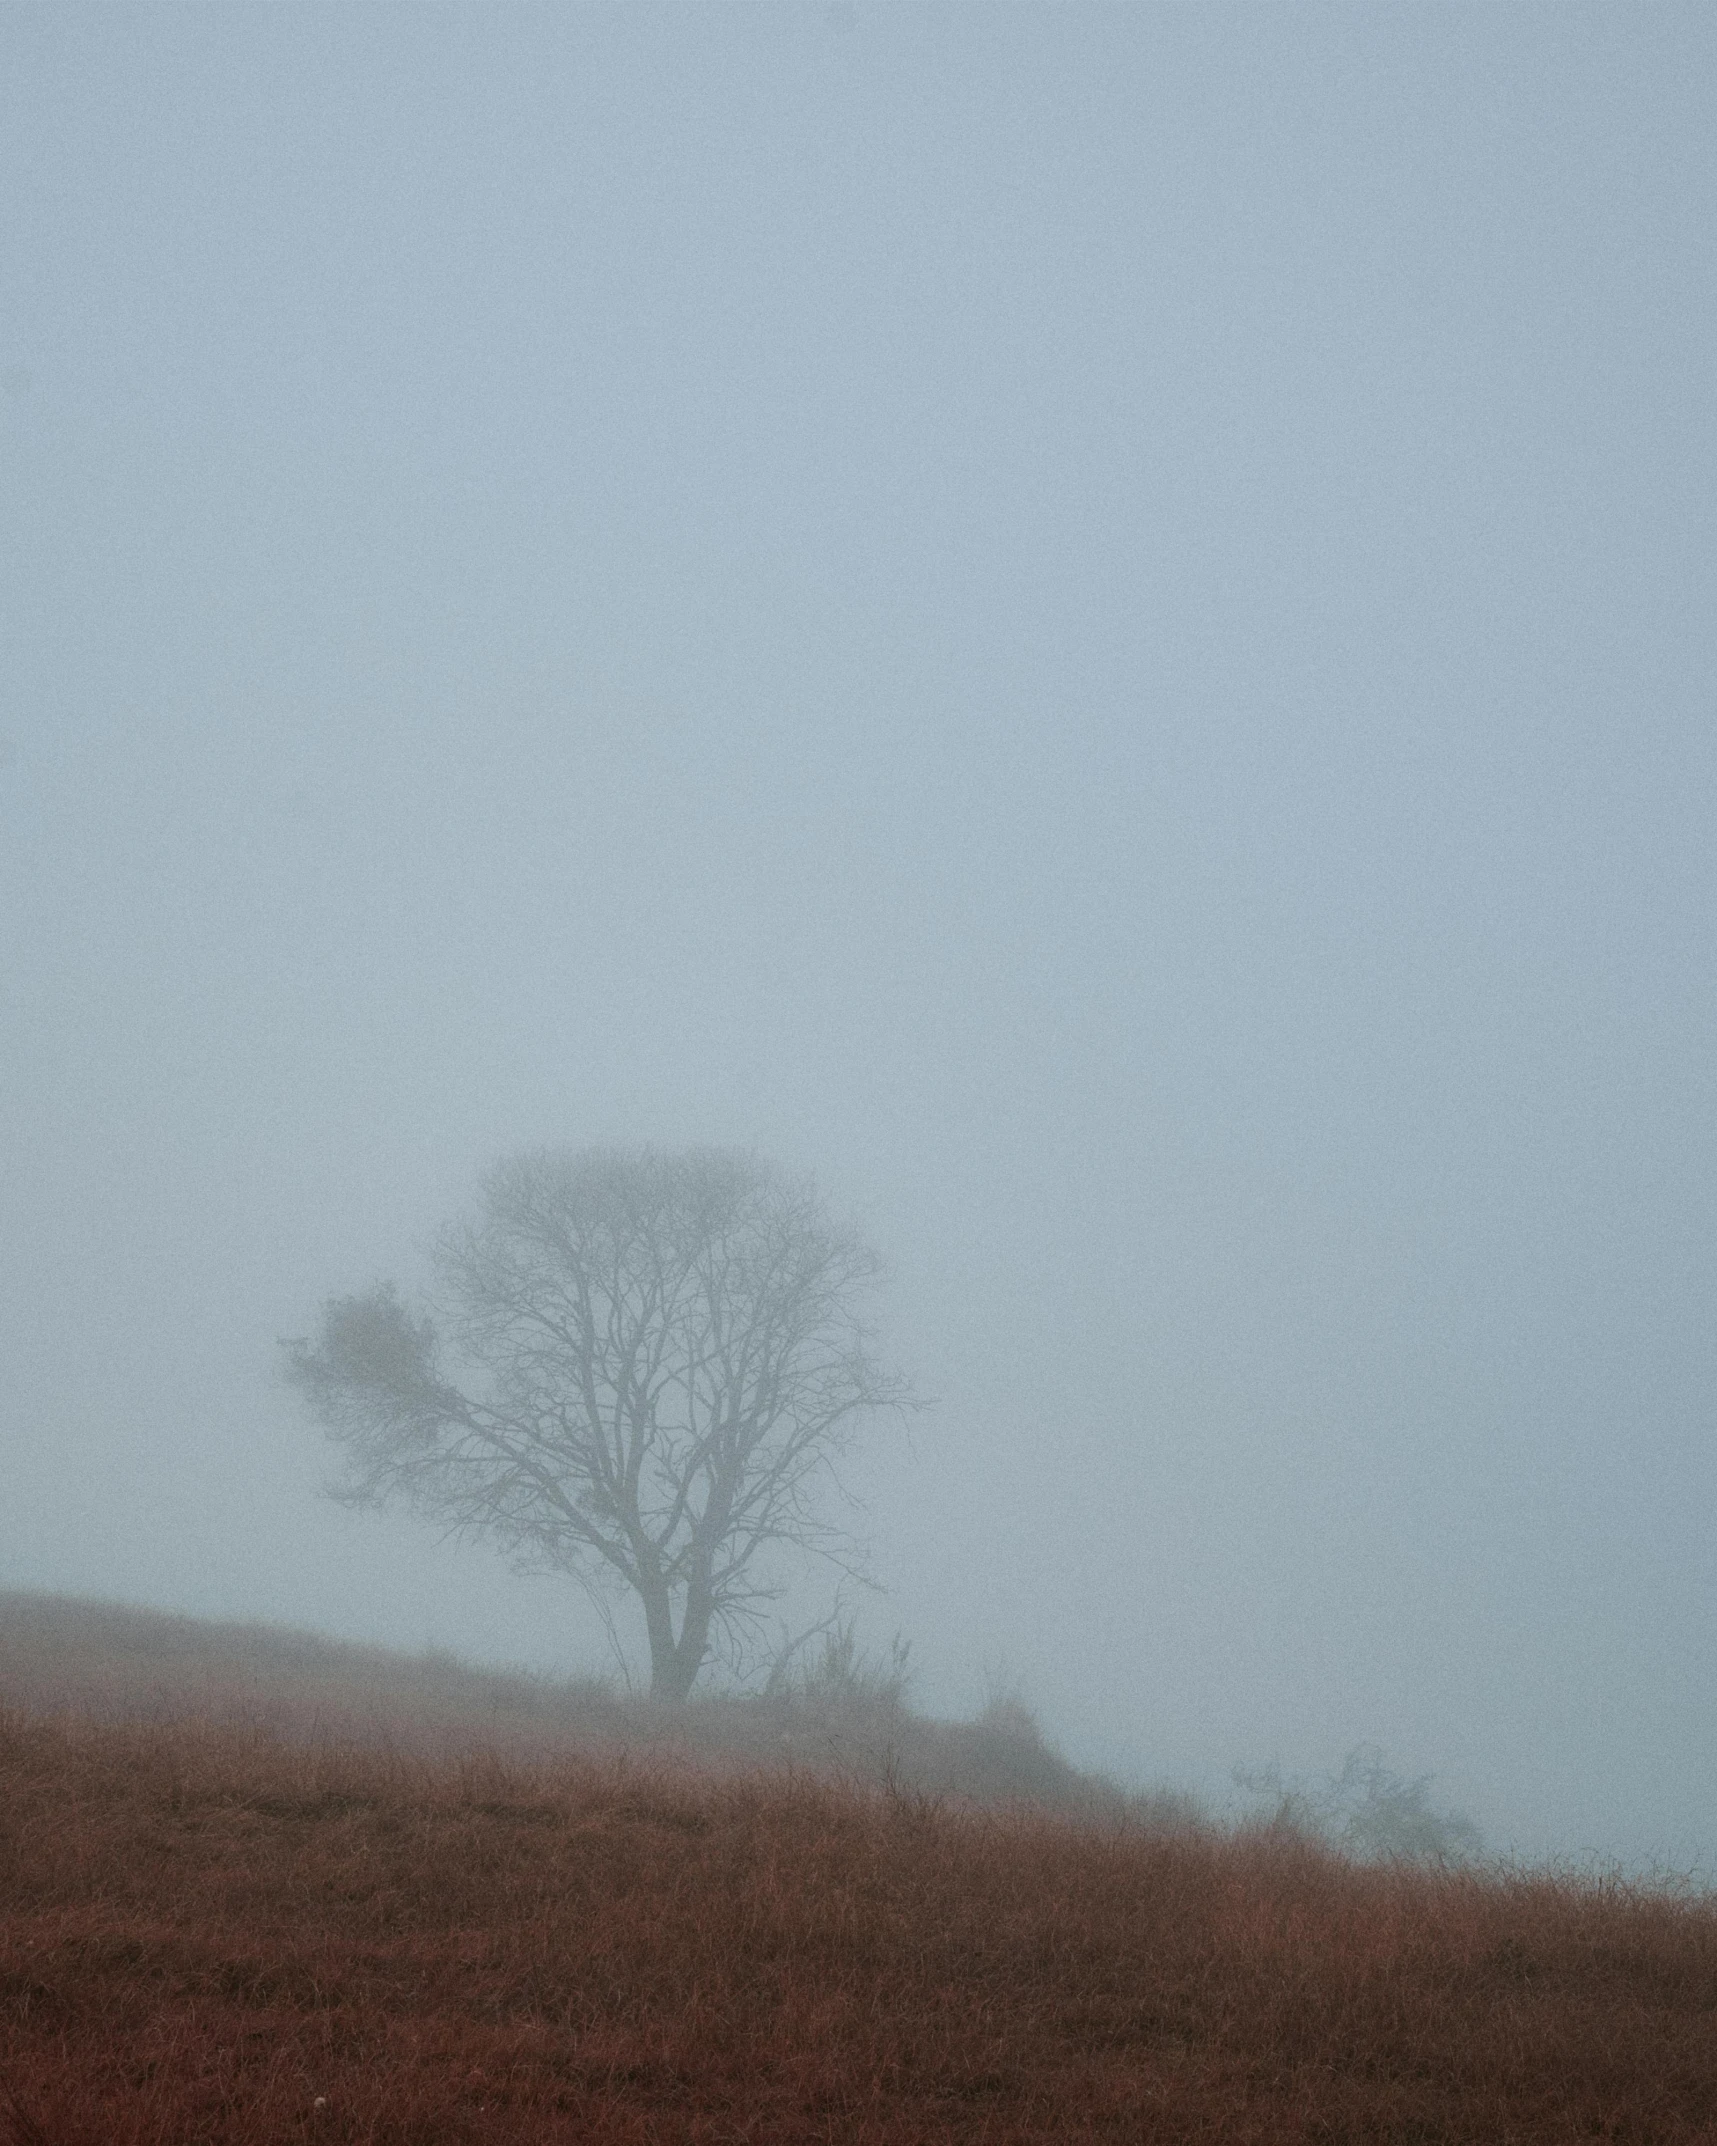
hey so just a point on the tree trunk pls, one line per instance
(672, 1680)
(659, 1623)
(674, 1663)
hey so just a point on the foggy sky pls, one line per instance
(1093, 623)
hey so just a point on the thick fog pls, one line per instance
(1095, 624)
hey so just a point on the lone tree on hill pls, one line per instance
(658, 1358)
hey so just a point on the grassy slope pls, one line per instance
(101, 1662)
(216, 1934)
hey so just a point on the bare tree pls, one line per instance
(660, 1356)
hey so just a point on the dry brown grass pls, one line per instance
(214, 1935)
(101, 1662)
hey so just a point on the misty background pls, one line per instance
(1095, 624)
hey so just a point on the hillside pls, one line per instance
(101, 1662)
(210, 1935)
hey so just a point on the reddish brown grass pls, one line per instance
(215, 1937)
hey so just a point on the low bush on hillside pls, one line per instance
(1366, 1810)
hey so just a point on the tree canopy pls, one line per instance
(636, 1367)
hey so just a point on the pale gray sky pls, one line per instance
(1093, 622)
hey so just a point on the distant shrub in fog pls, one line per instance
(1007, 1716)
(1367, 1810)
